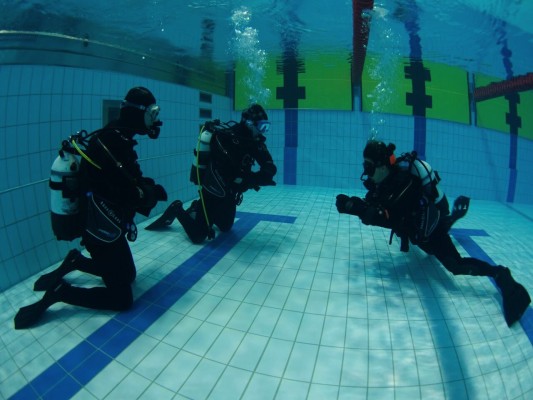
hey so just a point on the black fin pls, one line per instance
(515, 304)
(30, 315)
(47, 281)
(51, 279)
(166, 219)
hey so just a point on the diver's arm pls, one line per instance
(267, 168)
(124, 175)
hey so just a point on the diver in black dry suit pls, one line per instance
(419, 213)
(233, 149)
(114, 190)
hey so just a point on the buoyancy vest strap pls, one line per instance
(85, 156)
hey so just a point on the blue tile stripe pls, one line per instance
(523, 215)
(75, 369)
(513, 150)
(79, 366)
(415, 53)
(290, 153)
(464, 237)
(420, 136)
(500, 31)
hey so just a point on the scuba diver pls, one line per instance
(222, 169)
(403, 195)
(112, 191)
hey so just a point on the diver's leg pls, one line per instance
(167, 217)
(515, 297)
(224, 217)
(73, 261)
(194, 222)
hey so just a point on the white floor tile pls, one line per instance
(319, 308)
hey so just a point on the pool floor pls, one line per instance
(297, 302)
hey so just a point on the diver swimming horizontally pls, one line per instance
(404, 196)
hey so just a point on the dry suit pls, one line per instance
(228, 175)
(115, 191)
(402, 204)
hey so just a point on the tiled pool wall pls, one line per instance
(43, 105)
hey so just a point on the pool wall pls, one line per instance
(42, 105)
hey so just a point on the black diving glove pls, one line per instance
(341, 203)
(350, 205)
(269, 183)
(255, 180)
(160, 193)
(460, 207)
(151, 194)
(146, 181)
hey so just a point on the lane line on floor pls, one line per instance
(79, 366)
(465, 238)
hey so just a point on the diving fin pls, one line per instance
(167, 217)
(29, 315)
(514, 296)
(515, 304)
(46, 281)
(51, 279)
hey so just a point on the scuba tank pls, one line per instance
(64, 195)
(65, 191)
(202, 156)
(421, 169)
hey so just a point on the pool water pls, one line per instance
(297, 301)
